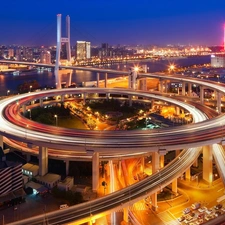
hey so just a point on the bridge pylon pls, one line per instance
(61, 40)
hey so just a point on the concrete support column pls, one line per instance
(24, 109)
(178, 110)
(43, 160)
(183, 88)
(1, 142)
(67, 167)
(95, 171)
(130, 100)
(155, 162)
(107, 96)
(98, 77)
(41, 102)
(69, 78)
(195, 164)
(142, 164)
(207, 164)
(130, 79)
(215, 94)
(219, 102)
(154, 201)
(155, 167)
(120, 168)
(143, 84)
(62, 98)
(161, 85)
(106, 80)
(189, 89)
(162, 161)
(188, 174)
(152, 103)
(28, 157)
(174, 186)
(84, 97)
(202, 95)
(125, 214)
(165, 87)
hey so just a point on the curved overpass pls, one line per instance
(14, 126)
(119, 199)
(201, 133)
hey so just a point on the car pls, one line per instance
(182, 218)
(200, 216)
(217, 213)
(187, 210)
(218, 206)
(209, 217)
(196, 205)
(63, 206)
(208, 211)
(200, 221)
(202, 209)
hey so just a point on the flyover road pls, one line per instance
(119, 199)
(124, 197)
(17, 127)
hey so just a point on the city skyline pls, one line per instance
(127, 22)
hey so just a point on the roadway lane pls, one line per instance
(119, 199)
(16, 127)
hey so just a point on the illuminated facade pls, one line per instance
(10, 175)
(83, 50)
(218, 61)
(45, 57)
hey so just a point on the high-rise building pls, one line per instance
(18, 54)
(45, 57)
(10, 53)
(218, 60)
(83, 50)
(10, 175)
(28, 54)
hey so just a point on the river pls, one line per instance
(9, 82)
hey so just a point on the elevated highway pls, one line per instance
(17, 127)
(120, 199)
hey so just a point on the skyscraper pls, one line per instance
(83, 50)
(45, 57)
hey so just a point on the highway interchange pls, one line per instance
(192, 136)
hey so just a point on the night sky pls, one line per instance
(195, 22)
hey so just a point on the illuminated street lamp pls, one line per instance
(218, 76)
(29, 110)
(56, 120)
(8, 92)
(171, 68)
(30, 87)
(136, 68)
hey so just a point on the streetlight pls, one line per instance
(56, 120)
(29, 110)
(218, 76)
(30, 87)
(8, 92)
(171, 68)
